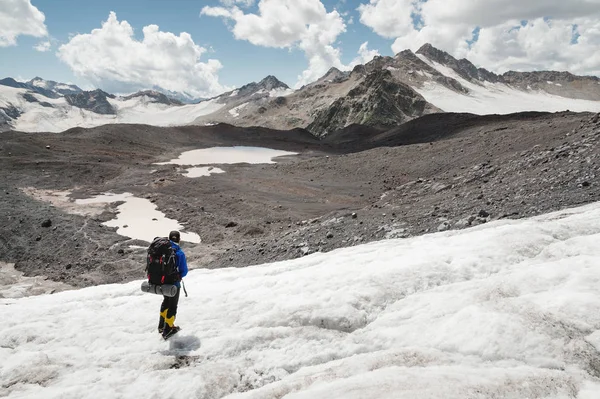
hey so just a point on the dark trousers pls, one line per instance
(168, 311)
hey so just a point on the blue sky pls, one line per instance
(242, 61)
(229, 43)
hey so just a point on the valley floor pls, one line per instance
(440, 172)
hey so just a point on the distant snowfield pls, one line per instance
(509, 309)
(495, 98)
(37, 118)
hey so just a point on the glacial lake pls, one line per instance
(224, 155)
(138, 218)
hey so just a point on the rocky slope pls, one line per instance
(95, 101)
(378, 101)
(437, 172)
(153, 96)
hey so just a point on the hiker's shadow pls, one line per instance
(182, 345)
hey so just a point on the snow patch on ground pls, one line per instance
(508, 309)
(138, 218)
(281, 92)
(227, 155)
(202, 171)
(62, 200)
(235, 112)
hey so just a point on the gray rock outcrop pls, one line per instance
(95, 101)
(379, 101)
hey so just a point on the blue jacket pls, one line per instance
(180, 261)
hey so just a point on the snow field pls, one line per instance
(508, 309)
(495, 98)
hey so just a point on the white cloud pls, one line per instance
(243, 3)
(555, 34)
(388, 18)
(43, 46)
(304, 24)
(20, 17)
(364, 55)
(540, 44)
(113, 59)
(487, 13)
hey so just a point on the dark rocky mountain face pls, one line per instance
(544, 76)
(31, 99)
(271, 82)
(379, 101)
(10, 82)
(7, 114)
(267, 84)
(156, 96)
(334, 75)
(95, 101)
(563, 84)
(463, 67)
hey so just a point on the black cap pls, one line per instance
(174, 236)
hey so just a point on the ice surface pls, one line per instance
(509, 309)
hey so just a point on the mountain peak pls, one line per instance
(271, 82)
(333, 75)
(436, 54)
(156, 96)
(12, 83)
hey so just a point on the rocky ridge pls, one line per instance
(95, 101)
(154, 96)
(553, 82)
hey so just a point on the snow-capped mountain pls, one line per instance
(47, 88)
(383, 93)
(391, 90)
(155, 97)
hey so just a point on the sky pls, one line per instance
(204, 48)
(508, 309)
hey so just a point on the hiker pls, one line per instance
(168, 308)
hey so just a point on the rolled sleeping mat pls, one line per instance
(169, 290)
